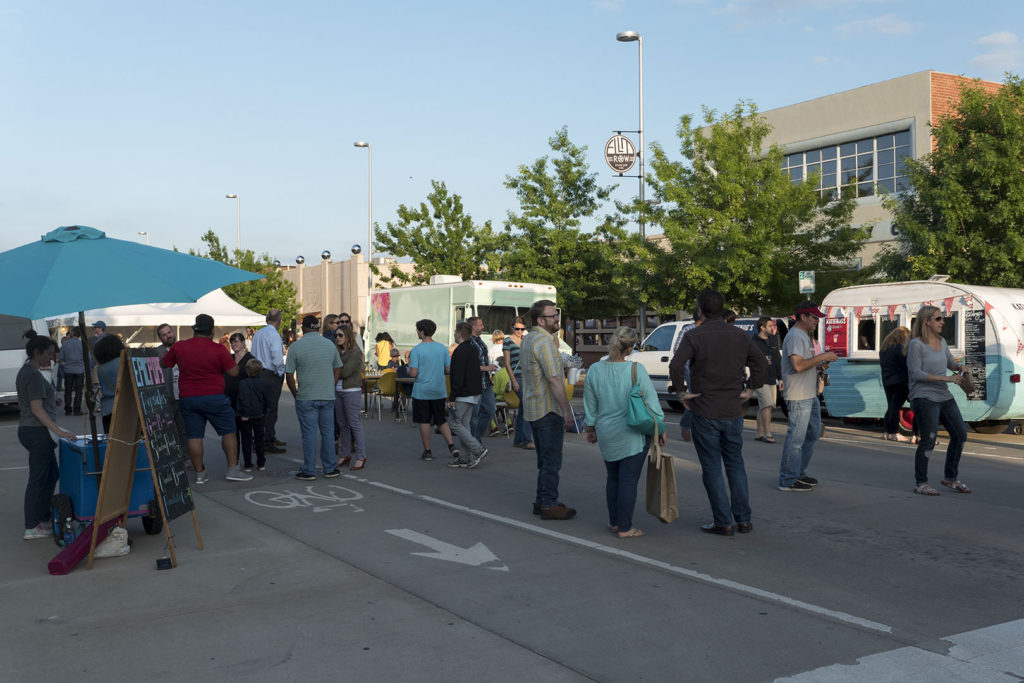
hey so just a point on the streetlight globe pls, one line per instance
(360, 144)
(356, 249)
(300, 260)
(277, 262)
(325, 255)
(231, 196)
(627, 36)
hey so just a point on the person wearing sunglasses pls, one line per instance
(928, 358)
(344, 320)
(510, 349)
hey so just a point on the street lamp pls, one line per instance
(300, 262)
(629, 37)
(143, 232)
(238, 217)
(369, 222)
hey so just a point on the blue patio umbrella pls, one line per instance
(77, 268)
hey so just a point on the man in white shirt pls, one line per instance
(268, 348)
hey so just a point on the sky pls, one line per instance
(140, 116)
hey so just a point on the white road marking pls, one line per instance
(616, 552)
(477, 555)
(19, 467)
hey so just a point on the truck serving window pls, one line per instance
(499, 317)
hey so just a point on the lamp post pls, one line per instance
(300, 262)
(238, 217)
(369, 222)
(629, 37)
(146, 234)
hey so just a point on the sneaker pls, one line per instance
(332, 474)
(477, 459)
(261, 468)
(247, 469)
(279, 443)
(237, 474)
(797, 486)
(559, 511)
(37, 532)
(427, 455)
(459, 462)
(202, 477)
(496, 432)
(536, 508)
(274, 449)
(808, 480)
(303, 476)
(454, 451)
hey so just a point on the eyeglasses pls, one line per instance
(553, 315)
(344, 322)
(519, 329)
(938, 318)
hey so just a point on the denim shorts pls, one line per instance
(196, 411)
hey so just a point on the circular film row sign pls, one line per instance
(620, 153)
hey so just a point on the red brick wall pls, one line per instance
(946, 92)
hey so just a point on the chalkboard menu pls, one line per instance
(163, 431)
(974, 353)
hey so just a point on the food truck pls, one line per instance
(984, 330)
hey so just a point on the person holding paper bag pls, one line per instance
(624, 449)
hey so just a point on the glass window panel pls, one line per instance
(901, 154)
(865, 174)
(848, 149)
(886, 156)
(886, 185)
(796, 174)
(865, 189)
(828, 180)
(865, 161)
(902, 139)
(865, 146)
(828, 167)
(830, 193)
(885, 141)
(950, 329)
(849, 177)
(795, 159)
(828, 153)
(660, 339)
(812, 169)
(813, 156)
(866, 329)
(849, 163)
(886, 171)
(784, 165)
(886, 326)
(902, 183)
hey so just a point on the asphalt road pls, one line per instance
(415, 571)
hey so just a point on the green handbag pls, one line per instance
(639, 415)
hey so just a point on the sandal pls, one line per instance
(358, 464)
(925, 490)
(768, 439)
(957, 486)
(632, 533)
(613, 528)
(345, 461)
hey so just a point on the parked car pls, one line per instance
(12, 353)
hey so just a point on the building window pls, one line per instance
(867, 167)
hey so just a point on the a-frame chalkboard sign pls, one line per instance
(144, 407)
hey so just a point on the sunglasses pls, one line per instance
(344, 322)
(519, 329)
(938, 318)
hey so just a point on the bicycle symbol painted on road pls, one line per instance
(336, 497)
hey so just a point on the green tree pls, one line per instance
(440, 237)
(965, 215)
(733, 220)
(256, 295)
(546, 242)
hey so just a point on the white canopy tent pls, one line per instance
(227, 314)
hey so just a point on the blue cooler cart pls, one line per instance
(80, 487)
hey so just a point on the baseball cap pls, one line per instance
(100, 324)
(204, 324)
(311, 322)
(810, 308)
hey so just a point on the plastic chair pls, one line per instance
(387, 387)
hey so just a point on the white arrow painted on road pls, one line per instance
(478, 555)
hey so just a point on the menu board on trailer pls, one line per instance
(974, 353)
(836, 336)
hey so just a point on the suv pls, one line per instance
(12, 353)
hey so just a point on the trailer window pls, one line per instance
(887, 326)
(496, 318)
(866, 334)
(949, 329)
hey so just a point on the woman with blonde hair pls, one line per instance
(892, 358)
(928, 358)
(606, 400)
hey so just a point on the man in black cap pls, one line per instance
(800, 389)
(202, 364)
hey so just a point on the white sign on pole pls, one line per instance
(807, 282)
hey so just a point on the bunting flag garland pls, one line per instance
(948, 304)
(988, 307)
(892, 312)
(857, 310)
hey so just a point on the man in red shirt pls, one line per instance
(202, 364)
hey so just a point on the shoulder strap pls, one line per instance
(633, 371)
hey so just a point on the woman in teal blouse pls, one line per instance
(624, 449)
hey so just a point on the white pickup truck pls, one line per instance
(12, 353)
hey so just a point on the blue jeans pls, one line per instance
(316, 418)
(522, 430)
(801, 436)
(548, 434)
(718, 443)
(929, 414)
(620, 488)
(42, 474)
(483, 412)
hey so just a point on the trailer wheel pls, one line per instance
(61, 509)
(1018, 428)
(152, 523)
(990, 426)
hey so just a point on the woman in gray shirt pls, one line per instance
(928, 358)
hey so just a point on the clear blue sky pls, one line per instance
(141, 116)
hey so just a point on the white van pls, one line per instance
(12, 353)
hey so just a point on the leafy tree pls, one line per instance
(440, 237)
(546, 243)
(965, 216)
(733, 220)
(256, 295)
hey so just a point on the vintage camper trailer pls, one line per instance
(984, 330)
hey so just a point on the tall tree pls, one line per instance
(257, 295)
(733, 220)
(440, 237)
(965, 215)
(546, 241)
